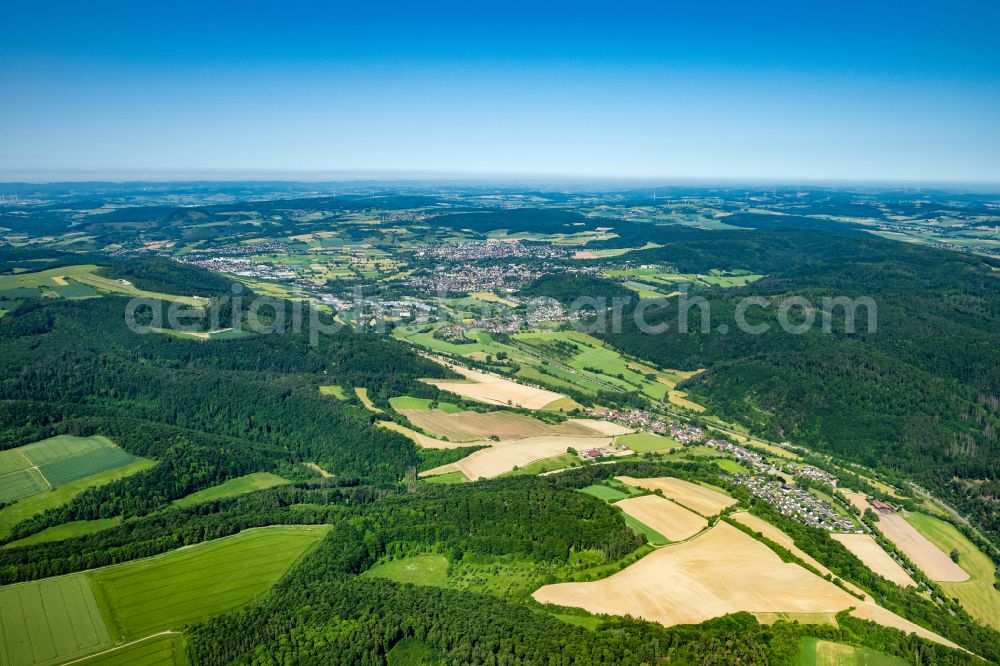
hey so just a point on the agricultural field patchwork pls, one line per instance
(469, 426)
(54, 462)
(505, 456)
(977, 593)
(167, 591)
(39, 502)
(720, 571)
(868, 551)
(159, 650)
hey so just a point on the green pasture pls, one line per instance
(65, 531)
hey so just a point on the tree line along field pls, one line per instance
(30, 469)
(54, 620)
(35, 504)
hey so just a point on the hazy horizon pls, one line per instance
(721, 91)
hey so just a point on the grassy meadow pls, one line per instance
(233, 487)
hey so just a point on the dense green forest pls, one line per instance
(207, 410)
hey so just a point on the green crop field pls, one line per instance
(65, 531)
(61, 472)
(604, 493)
(160, 650)
(406, 402)
(977, 594)
(50, 621)
(816, 652)
(643, 442)
(233, 487)
(80, 281)
(55, 462)
(58, 448)
(23, 483)
(419, 570)
(167, 591)
(12, 460)
(31, 506)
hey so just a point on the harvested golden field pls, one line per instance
(680, 399)
(603, 427)
(720, 571)
(466, 426)
(505, 456)
(782, 539)
(426, 442)
(876, 559)
(699, 499)
(494, 389)
(918, 549)
(668, 518)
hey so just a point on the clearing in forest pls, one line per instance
(699, 499)
(817, 652)
(425, 442)
(233, 487)
(417, 569)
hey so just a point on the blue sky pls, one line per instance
(745, 90)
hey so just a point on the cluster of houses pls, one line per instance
(263, 247)
(633, 418)
(507, 277)
(796, 503)
(741, 453)
(479, 250)
(686, 434)
(817, 474)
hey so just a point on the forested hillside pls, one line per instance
(207, 410)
